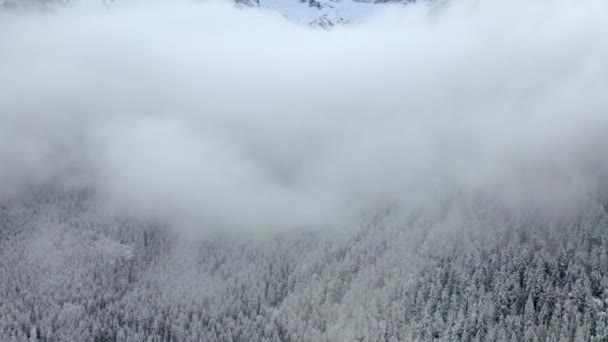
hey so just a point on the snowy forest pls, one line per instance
(198, 171)
(469, 274)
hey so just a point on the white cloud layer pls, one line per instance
(217, 118)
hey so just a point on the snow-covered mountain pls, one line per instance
(321, 13)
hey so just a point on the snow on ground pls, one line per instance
(320, 12)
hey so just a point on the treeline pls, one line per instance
(69, 272)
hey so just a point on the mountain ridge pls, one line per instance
(322, 13)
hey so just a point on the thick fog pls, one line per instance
(211, 117)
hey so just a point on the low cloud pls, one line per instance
(211, 117)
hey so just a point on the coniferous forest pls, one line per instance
(467, 273)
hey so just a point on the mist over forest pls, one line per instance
(213, 171)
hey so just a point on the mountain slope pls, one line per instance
(321, 13)
(70, 274)
(318, 13)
